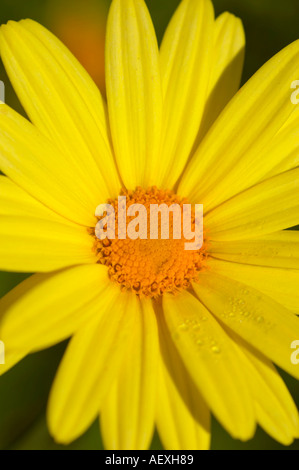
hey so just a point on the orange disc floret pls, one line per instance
(149, 267)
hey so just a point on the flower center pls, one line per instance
(158, 260)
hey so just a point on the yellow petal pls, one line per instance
(133, 91)
(36, 165)
(177, 427)
(183, 418)
(284, 148)
(280, 284)
(275, 409)
(226, 69)
(128, 412)
(277, 250)
(186, 58)
(265, 208)
(91, 363)
(258, 319)
(62, 101)
(29, 244)
(228, 161)
(47, 308)
(16, 202)
(209, 357)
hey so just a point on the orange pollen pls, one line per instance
(149, 267)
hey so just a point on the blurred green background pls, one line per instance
(269, 25)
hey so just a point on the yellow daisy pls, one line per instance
(160, 337)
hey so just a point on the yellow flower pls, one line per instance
(157, 339)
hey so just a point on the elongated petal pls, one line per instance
(280, 284)
(47, 308)
(128, 412)
(90, 365)
(257, 318)
(263, 209)
(177, 428)
(183, 418)
(61, 100)
(209, 357)
(277, 250)
(226, 69)
(295, 114)
(14, 201)
(36, 245)
(228, 161)
(283, 149)
(37, 166)
(34, 238)
(275, 409)
(186, 57)
(133, 91)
